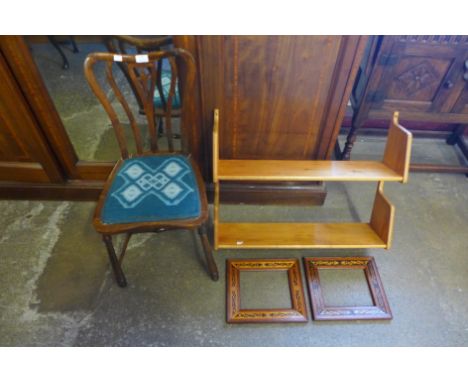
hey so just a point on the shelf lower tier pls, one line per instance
(298, 235)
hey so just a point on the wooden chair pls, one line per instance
(152, 190)
(122, 45)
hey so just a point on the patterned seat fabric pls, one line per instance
(166, 87)
(152, 188)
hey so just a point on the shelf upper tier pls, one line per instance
(394, 166)
(292, 170)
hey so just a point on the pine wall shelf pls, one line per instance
(377, 233)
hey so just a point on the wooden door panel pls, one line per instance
(280, 86)
(461, 106)
(452, 88)
(24, 153)
(49, 125)
(10, 150)
(280, 97)
(23, 172)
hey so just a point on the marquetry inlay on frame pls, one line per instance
(297, 312)
(380, 310)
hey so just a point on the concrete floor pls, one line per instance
(58, 289)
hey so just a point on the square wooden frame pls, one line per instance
(379, 311)
(298, 311)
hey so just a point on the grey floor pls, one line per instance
(57, 289)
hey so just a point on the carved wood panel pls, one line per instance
(418, 78)
(421, 74)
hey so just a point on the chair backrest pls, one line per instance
(128, 45)
(144, 70)
(120, 44)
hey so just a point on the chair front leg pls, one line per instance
(212, 268)
(118, 273)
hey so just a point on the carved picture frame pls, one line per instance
(380, 310)
(298, 310)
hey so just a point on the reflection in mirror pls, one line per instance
(82, 115)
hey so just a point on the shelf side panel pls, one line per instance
(397, 153)
(382, 218)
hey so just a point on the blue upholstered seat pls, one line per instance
(166, 87)
(152, 188)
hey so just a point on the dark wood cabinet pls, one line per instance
(423, 77)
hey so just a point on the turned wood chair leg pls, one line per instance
(350, 139)
(212, 268)
(359, 117)
(118, 273)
